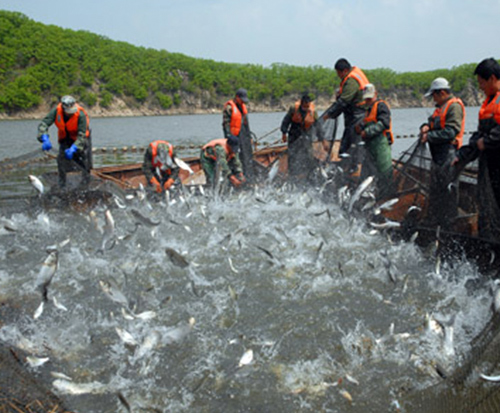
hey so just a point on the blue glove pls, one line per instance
(46, 145)
(70, 151)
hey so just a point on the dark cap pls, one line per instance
(242, 94)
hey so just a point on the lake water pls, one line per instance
(19, 137)
(287, 274)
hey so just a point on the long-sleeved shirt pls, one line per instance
(150, 171)
(383, 122)
(348, 102)
(227, 114)
(295, 130)
(48, 120)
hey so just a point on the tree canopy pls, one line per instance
(41, 62)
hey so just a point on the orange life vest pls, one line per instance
(438, 119)
(490, 109)
(71, 126)
(308, 120)
(371, 116)
(222, 142)
(236, 117)
(357, 74)
(154, 159)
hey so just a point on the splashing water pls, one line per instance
(308, 293)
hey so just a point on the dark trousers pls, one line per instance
(82, 161)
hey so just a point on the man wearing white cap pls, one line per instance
(376, 132)
(72, 122)
(444, 133)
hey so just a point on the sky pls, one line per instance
(403, 35)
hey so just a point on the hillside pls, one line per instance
(39, 63)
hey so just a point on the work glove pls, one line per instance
(234, 181)
(46, 145)
(168, 184)
(241, 177)
(156, 184)
(284, 138)
(68, 153)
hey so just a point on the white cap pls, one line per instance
(439, 83)
(369, 91)
(69, 104)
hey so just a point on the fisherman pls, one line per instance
(376, 132)
(485, 145)
(235, 124)
(74, 136)
(349, 100)
(223, 154)
(300, 124)
(443, 132)
(159, 166)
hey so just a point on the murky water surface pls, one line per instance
(269, 270)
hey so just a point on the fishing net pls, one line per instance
(20, 392)
(465, 391)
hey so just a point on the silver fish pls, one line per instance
(69, 387)
(273, 171)
(386, 206)
(141, 192)
(126, 337)
(58, 305)
(359, 190)
(36, 183)
(448, 346)
(183, 165)
(148, 222)
(150, 343)
(177, 334)
(39, 311)
(49, 268)
(496, 297)
(36, 361)
(108, 238)
(246, 358)
(176, 258)
(113, 292)
(385, 225)
(231, 265)
(490, 378)
(58, 375)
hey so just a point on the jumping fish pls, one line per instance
(58, 305)
(126, 337)
(176, 258)
(177, 334)
(273, 171)
(49, 268)
(496, 296)
(246, 359)
(231, 265)
(38, 311)
(150, 343)
(109, 232)
(489, 378)
(110, 288)
(346, 395)
(148, 222)
(386, 206)
(385, 225)
(69, 387)
(36, 183)
(183, 165)
(36, 361)
(359, 190)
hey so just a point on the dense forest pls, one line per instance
(39, 63)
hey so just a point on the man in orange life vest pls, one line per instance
(159, 166)
(222, 152)
(443, 132)
(349, 101)
(485, 145)
(235, 123)
(376, 132)
(75, 144)
(301, 126)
